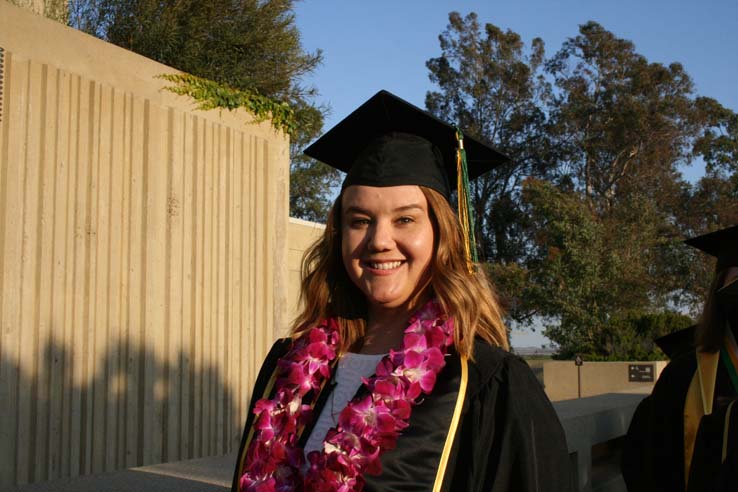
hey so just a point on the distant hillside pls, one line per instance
(528, 351)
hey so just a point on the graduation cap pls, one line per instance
(678, 342)
(722, 244)
(729, 293)
(389, 142)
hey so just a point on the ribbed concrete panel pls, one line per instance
(143, 260)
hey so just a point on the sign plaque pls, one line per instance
(641, 373)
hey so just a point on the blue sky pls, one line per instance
(379, 44)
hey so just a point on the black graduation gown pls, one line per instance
(709, 473)
(508, 436)
(653, 451)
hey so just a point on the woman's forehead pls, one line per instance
(383, 198)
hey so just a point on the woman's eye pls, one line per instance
(359, 222)
(405, 220)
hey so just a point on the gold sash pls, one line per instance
(698, 402)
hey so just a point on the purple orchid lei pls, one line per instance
(367, 427)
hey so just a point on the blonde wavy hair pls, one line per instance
(469, 298)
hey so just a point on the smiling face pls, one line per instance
(386, 242)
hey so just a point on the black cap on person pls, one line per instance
(722, 244)
(729, 293)
(677, 343)
(389, 142)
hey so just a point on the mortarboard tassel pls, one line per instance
(465, 210)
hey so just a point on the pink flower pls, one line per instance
(367, 426)
(437, 337)
(415, 342)
(366, 416)
(268, 484)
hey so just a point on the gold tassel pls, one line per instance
(465, 218)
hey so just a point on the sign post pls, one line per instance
(579, 362)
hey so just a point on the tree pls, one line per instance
(492, 89)
(584, 229)
(311, 181)
(632, 337)
(718, 145)
(585, 269)
(52, 9)
(624, 126)
(708, 205)
(249, 45)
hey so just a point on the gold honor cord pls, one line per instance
(726, 432)
(453, 427)
(465, 211)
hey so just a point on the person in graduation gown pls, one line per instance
(660, 451)
(397, 375)
(715, 458)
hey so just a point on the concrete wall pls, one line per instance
(562, 382)
(143, 259)
(301, 234)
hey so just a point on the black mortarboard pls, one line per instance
(389, 142)
(729, 293)
(678, 342)
(722, 244)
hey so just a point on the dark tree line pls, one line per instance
(583, 230)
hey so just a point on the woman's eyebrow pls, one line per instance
(358, 210)
(409, 207)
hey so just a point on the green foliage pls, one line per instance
(249, 45)
(51, 9)
(572, 279)
(212, 95)
(591, 270)
(718, 145)
(631, 337)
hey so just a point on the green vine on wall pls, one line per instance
(211, 95)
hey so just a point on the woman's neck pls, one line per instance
(385, 330)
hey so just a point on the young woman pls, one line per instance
(397, 375)
(677, 432)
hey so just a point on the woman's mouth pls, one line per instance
(383, 266)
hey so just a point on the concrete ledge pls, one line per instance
(593, 421)
(587, 422)
(213, 474)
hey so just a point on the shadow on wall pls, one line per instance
(70, 413)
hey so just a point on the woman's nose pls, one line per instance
(380, 236)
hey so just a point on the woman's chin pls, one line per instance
(386, 301)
